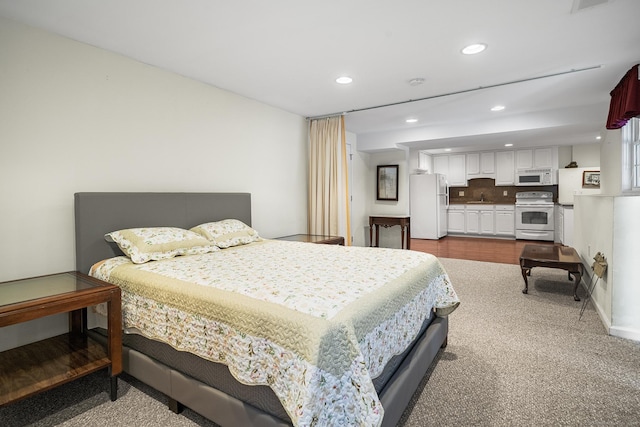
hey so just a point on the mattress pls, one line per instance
(314, 323)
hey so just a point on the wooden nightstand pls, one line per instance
(45, 364)
(312, 238)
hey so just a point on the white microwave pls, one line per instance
(543, 176)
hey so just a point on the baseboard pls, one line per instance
(630, 334)
(615, 331)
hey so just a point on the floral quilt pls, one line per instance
(314, 322)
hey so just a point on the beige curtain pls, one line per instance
(328, 179)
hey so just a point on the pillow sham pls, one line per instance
(156, 243)
(227, 233)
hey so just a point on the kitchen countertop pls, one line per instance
(477, 202)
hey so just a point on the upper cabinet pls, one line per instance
(441, 165)
(499, 165)
(481, 165)
(457, 170)
(453, 166)
(505, 168)
(535, 158)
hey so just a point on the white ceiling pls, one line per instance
(287, 53)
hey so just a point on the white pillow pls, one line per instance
(227, 233)
(156, 243)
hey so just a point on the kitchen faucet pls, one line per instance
(482, 197)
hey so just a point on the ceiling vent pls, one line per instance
(579, 5)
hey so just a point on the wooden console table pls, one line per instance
(390, 221)
(552, 256)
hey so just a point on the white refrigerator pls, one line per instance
(428, 202)
(570, 184)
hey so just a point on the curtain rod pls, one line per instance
(457, 92)
(327, 116)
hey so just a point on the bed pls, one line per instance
(329, 361)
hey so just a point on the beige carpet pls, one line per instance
(526, 360)
(512, 360)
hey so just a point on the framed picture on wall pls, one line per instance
(591, 179)
(387, 184)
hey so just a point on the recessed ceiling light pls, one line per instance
(447, 149)
(472, 49)
(411, 120)
(598, 137)
(497, 108)
(344, 80)
(416, 82)
(508, 145)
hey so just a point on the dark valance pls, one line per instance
(625, 100)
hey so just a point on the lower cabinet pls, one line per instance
(455, 219)
(472, 218)
(486, 222)
(482, 220)
(505, 220)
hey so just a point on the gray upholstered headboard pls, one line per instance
(99, 213)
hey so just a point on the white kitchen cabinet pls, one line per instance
(524, 159)
(505, 168)
(455, 217)
(473, 164)
(457, 170)
(424, 161)
(479, 219)
(543, 158)
(441, 165)
(481, 165)
(488, 163)
(453, 167)
(472, 220)
(535, 158)
(482, 220)
(505, 220)
(487, 221)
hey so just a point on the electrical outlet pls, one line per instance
(505, 192)
(460, 193)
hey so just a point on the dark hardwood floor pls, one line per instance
(473, 248)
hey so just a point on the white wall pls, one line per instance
(608, 223)
(586, 155)
(389, 237)
(626, 289)
(77, 118)
(593, 232)
(611, 163)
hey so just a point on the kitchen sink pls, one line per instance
(479, 202)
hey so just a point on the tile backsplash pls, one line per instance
(479, 187)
